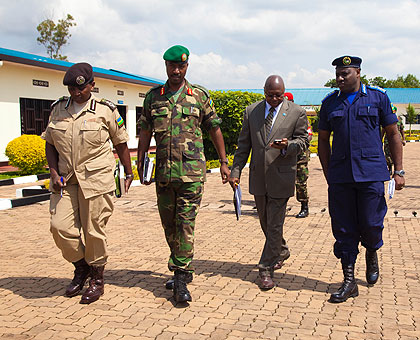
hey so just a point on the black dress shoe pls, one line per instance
(372, 267)
(348, 287)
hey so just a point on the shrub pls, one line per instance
(230, 106)
(27, 153)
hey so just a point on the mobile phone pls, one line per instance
(277, 141)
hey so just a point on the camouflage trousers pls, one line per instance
(302, 173)
(178, 204)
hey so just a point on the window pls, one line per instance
(139, 111)
(34, 115)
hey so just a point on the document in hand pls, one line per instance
(117, 180)
(391, 188)
(237, 198)
(148, 169)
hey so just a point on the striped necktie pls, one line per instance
(269, 122)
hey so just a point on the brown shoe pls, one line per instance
(266, 281)
(280, 264)
(96, 285)
(81, 273)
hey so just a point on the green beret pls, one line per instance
(177, 53)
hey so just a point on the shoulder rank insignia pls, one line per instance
(329, 95)
(63, 98)
(377, 88)
(108, 103)
(202, 89)
(189, 91)
(162, 90)
(119, 121)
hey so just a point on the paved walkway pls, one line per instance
(227, 303)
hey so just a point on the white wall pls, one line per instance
(16, 82)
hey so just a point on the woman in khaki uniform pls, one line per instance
(81, 164)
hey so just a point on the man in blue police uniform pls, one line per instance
(356, 168)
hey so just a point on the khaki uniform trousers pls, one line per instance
(78, 224)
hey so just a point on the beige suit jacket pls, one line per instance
(271, 172)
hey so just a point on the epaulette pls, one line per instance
(329, 95)
(108, 103)
(61, 99)
(377, 88)
(202, 88)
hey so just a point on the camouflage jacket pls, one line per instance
(177, 131)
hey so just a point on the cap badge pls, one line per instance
(184, 56)
(80, 80)
(346, 61)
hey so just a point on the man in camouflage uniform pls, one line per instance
(302, 172)
(174, 112)
(387, 151)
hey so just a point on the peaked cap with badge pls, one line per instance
(79, 75)
(177, 53)
(347, 61)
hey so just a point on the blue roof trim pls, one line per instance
(40, 61)
(314, 96)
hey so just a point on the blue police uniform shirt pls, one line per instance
(357, 154)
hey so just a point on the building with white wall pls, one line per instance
(30, 83)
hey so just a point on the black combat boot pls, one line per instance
(304, 210)
(96, 285)
(81, 273)
(170, 283)
(349, 286)
(372, 267)
(181, 293)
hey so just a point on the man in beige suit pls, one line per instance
(275, 129)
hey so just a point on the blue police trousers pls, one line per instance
(357, 213)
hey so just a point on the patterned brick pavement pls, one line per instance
(227, 304)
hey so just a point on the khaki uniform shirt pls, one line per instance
(82, 142)
(178, 135)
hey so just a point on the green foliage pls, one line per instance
(410, 116)
(54, 36)
(214, 163)
(229, 106)
(27, 153)
(314, 120)
(409, 81)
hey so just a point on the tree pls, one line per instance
(410, 116)
(333, 83)
(229, 106)
(409, 81)
(54, 36)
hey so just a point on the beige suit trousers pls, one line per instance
(78, 224)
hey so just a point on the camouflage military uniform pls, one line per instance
(180, 162)
(302, 173)
(387, 151)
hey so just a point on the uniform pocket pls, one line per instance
(190, 118)
(160, 118)
(58, 131)
(91, 133)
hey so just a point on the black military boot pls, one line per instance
(349, 286)
(170, 283)
(304, 211)
(181, 293)
(96, 285)
(81, 273)
(372, 267)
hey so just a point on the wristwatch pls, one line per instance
(400, 173)
(223, 161)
